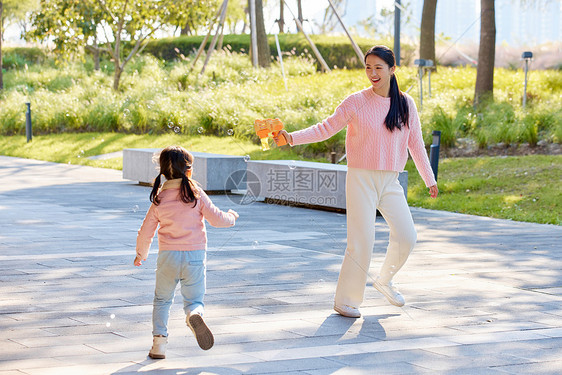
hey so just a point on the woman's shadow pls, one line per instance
(350, 330)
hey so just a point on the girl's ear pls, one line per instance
(188, 173)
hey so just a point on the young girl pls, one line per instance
(382, 126)
(179, 208)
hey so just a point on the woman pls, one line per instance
(382, 125)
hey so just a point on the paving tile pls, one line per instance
(483, 295)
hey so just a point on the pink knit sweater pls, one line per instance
(369, 144)
(182, 226)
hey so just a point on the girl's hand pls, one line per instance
(433, 191)
(283, 133)
(236, 216)
(138, 260)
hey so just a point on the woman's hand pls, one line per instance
(433, 191)
(138, 260)
(283, 133)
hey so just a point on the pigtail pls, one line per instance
(188, 190)
(154, 193)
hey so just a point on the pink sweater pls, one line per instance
(181, 225)
(369, 144)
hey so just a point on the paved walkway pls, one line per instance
(483, 296)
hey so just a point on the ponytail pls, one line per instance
(398, 113)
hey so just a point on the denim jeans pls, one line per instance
(187, 268)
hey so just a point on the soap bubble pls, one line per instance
(247, 158)
(126, 113)
(200, 130)
(292, 164)
(177, 130)
(135, 208)
(112, 316)
(170, 124)
(255, 244)
(108, 324)
(392, 270)
(230, 132)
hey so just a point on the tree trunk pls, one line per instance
(117, 74)
(427, 34)
(484, 88)
(1, 74)
(299, 10)
(264, 55)
(281, 20)
(186, 29)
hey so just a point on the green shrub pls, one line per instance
(446, 124)
(19, 57)
(335, 50)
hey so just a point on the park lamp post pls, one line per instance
(527, 56)
(423, 65)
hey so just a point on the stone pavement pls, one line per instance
(483, 296)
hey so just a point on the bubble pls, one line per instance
(392, 270)
(177, 129)
(170, 124)
(112, 316)
(247, 158)
(108, 324)
(230, 132)
(135, 208)
(321, 280)
(200, 130)
(126, 113)
(255, 244)
(292, 164)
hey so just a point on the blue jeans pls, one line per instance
(187, 268)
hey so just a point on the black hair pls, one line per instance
(399, 112)
(175, 161)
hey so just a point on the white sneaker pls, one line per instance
(348, 311)
(158, 350)
(202, 333)
(391, 294)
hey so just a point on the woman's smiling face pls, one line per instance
(379, 74)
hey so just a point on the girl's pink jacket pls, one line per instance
(182, 226)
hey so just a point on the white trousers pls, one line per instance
(367, 191)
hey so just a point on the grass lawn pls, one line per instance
(522, 188)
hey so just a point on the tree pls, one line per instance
(75, 24)
(281, 20)
(264, 55)
(299, 11)
(1, 22)
(484, 87)
(13, 9)
(427, 33)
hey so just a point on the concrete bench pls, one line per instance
(302, 183)
(215, 172)
(293, 182)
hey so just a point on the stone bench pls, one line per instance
(215, 172)
(302, 183)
